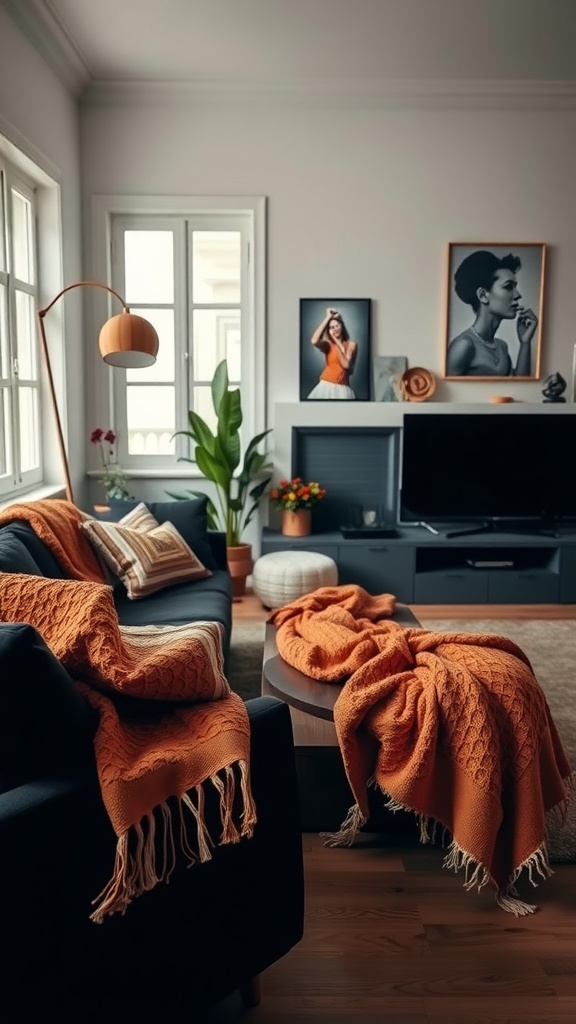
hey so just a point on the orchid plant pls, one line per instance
(113, 476)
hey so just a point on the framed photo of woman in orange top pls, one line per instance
(334, 350)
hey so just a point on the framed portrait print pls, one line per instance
(335, 350)
(494, 310)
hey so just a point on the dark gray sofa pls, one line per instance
(179, 948)
(210, 599)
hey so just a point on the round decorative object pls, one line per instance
(283, 576)
(501, 399)
(297, 524)
(418, 384)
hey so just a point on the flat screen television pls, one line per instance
(488, 467)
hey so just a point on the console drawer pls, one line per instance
(451, 587)
(536, 586)
(378, 567)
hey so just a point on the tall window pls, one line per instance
(20, 459)
(191, 277)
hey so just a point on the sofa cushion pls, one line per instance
(146, 560)
(42, 556)
(14, 555)
(46, 726)
(207, 600)
(189, 518)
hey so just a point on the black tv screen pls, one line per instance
(460, 467)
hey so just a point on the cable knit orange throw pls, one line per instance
(152, 767)
(451, 726)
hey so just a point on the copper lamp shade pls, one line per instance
(126, 340)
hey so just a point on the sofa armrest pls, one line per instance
(186, 944)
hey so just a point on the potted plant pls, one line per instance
(296, 500)
(218, 457)
(113, 476)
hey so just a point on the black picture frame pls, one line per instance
(356, 317)
(460, 315)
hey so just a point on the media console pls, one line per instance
(422, 568)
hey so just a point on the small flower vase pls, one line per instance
(296, 524)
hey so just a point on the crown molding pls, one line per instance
(384, 93)
(42, 27)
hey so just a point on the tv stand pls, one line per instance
(496, 567)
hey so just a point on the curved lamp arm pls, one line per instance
(83, 284)
(126, 340)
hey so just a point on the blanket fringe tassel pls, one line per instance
(476, 876)
(146, 854)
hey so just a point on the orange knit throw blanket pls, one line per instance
(152, 768)
(451, 726)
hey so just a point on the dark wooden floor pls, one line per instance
(393, 937)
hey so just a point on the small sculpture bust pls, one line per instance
(555, 386)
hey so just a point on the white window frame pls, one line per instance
(107, 395)
(43, 176)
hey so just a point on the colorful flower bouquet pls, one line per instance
(293, 495)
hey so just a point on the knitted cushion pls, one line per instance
(284, 576)
(145, 559)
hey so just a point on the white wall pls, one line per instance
(362, 198)
(41, 117)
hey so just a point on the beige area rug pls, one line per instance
(549, 644)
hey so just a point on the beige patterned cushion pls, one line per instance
(146, 557)
(140, 518)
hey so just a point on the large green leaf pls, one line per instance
(212, 468)
(227, 449)
(219, 385)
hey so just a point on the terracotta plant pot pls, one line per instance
(240, 566)
(296, 524)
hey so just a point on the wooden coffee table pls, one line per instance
(308, 696)
(324, 791)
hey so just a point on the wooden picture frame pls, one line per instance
(355, 317)
(494, 310)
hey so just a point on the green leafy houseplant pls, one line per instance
(218, 457)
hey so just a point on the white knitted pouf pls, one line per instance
(284, 576)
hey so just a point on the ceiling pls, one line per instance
(298, 41)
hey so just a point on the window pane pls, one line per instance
(216, 266)
(5, 459)
(151, 414)
(22, 242)
(28, 405)
(203, 406)
(216, 336)
(163, 368)
(149, 266)
(25, 337)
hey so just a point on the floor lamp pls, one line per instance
(126, 340)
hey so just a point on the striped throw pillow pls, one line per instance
(146, 559)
